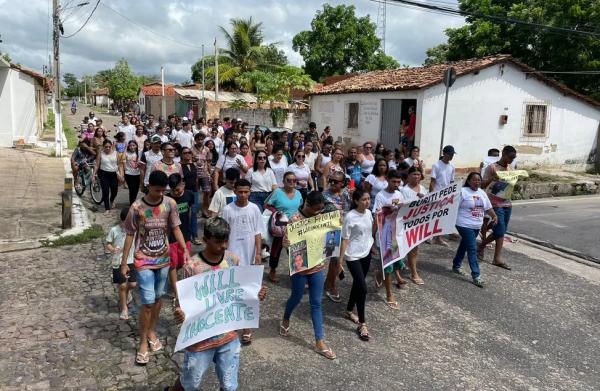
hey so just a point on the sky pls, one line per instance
(154, 33)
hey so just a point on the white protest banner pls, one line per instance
(217, 302)
(424, 218)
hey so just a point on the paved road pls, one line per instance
(572, 222)
(532, 328)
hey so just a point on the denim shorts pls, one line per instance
(501, 227)
(152, 283)
(227, 364)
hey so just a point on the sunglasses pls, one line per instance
(186, 152)
(368, 147)
(261, 158)
(169, 150)
(334, 181)
(290, 180)
(300, 156)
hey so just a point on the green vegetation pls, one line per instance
(539, 48)
(340, 42)
(69, 131)
(91, 233)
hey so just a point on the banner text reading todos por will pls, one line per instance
(314, 240)
(218, 301)
(424, 218)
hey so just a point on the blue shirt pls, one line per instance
(280, 201)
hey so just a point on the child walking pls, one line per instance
(114, 245)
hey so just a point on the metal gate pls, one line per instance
(391, 115)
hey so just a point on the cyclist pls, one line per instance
(81, 156)
(73, 107)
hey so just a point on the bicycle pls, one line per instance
(86, 175)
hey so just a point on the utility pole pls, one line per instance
(56, 69)
(163, 104)
(449, 79)
(203, 101)
(84, 91)
(216, 73)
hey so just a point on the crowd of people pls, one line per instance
(232, 176)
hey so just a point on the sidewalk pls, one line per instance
(30, 202)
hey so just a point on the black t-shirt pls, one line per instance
(184, 208)
(190, 176)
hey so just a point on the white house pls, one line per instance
(495, 101)
(100, 97)
(22, 104)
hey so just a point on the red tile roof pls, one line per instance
(100, 91)
(44, 82)
(423, 77)
(155, 89)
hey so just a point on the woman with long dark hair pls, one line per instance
(357, 240)
(107, 169)
(130, 170)
(262, 179)
(377, 180)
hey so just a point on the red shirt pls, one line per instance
(412, 122)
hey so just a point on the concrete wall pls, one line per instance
(297, 120)
(475, 105)
(332, 110)
(153, 105)
(18, 109)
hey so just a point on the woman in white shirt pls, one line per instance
(262, 179)
(413, 159)
(278, 164)
(367, 160)
(376, 181)
(304, 182)
(107, 170)
(357, 240)
(413, 190)
(474, 204)
(231, 159)
(130, 170)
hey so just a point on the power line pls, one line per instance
(86, 21)
(568, 72)
(498, 19)
(151, 31)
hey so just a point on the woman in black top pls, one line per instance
(190, 177)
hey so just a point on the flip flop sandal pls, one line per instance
(378, 280)
(327, 353)
(155, 346)
(363, 333)
(351, 316)
(246, 339)
(274, 280)
(142, 358)
(332, 297)
(393, 305)
(418, 281)
(124, 315)
(284, 331)
(502, 265)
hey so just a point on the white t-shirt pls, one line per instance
(442, 173)
(150, 158)
(310, 160)
(358, 230)
(222, 198)
(218, 144)
(472, 207)
(116, 237)
(302, 175)
(186, 139)
(129, 131)
(261, 181)
(278, 169)
(384, 198)
(226, 161)
(245, 222)
(163, 138)
(376, 185)
(409, 195)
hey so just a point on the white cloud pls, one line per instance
(177, 24)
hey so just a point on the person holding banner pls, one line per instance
(313, 277)
(222, 349)
(413, 190)
(474, 204)
(499, 193)
(442, 174)
(357, 240)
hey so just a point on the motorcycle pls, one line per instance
(73, 110)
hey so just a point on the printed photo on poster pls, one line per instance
(386, 236)
(332, 243)
(298, 256)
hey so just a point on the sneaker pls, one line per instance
(265, 254)
(478, 282)
(458, 271)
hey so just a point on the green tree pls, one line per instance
(276, 86)
(72, 85)
(340, 42)
(102, 77)
(123, 83)
(5, 57)
(243, 52)
(539, 48)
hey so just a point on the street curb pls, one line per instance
(560, 250)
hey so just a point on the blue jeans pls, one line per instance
(259, 198)
(227, 364)
(152, 284)
(315, 296)
(468, 244)
(195, 209)
(501, 227)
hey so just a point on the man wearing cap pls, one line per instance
(442, 175)
(150, 157)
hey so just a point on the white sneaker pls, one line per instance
(265, 253)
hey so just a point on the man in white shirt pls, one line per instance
(225, 194)
(442, 175)
(185, 137)
(127, 128)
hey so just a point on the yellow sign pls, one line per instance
(313, 241)
(509, 179)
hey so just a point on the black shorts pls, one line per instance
(119, 278)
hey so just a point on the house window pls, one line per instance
(536, 116)
(353, 115)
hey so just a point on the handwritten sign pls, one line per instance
(217, 302)
(314, 240)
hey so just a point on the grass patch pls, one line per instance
(91, 233)
(69, 131)
(49, 124)
(540, 177)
